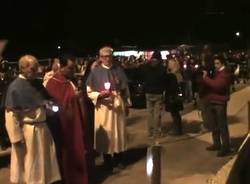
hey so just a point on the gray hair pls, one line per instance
(25, 61)
(106, 49)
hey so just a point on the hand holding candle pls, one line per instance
(106, 92)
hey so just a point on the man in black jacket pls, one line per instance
(154, 79)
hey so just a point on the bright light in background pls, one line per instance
(146, 54)
(131, 53)
(140, 53)
(237, 34)
(116, 53)
(137, 54)
(126, 53)
(164, 54)
(196, 66)
(59, 47)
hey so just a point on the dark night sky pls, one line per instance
(39, 26)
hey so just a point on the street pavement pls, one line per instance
(184, 159)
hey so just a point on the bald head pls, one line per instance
(28, 66)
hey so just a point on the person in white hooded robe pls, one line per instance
(33, 154)
(107, 87)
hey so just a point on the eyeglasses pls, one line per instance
(217, 63)
(105, 56)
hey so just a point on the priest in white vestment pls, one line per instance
(33, 155)
(108, 89)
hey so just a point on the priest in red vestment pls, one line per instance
(69, 131)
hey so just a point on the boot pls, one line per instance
(108, 162)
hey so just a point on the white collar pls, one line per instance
(22, 76)
(222, 68)
(107, 67)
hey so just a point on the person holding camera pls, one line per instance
(217, 96)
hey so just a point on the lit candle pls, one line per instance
(107, 85)
(55, 108)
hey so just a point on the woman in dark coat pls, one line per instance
(174, 99)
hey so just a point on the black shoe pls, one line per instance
(108, 162)
(120, 166)
(223, 152)
(213, 148)
(107, 167)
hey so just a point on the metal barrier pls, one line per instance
(153, 165)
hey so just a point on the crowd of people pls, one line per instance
(92, 99)
(190, 64)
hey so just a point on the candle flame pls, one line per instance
(107, 85)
